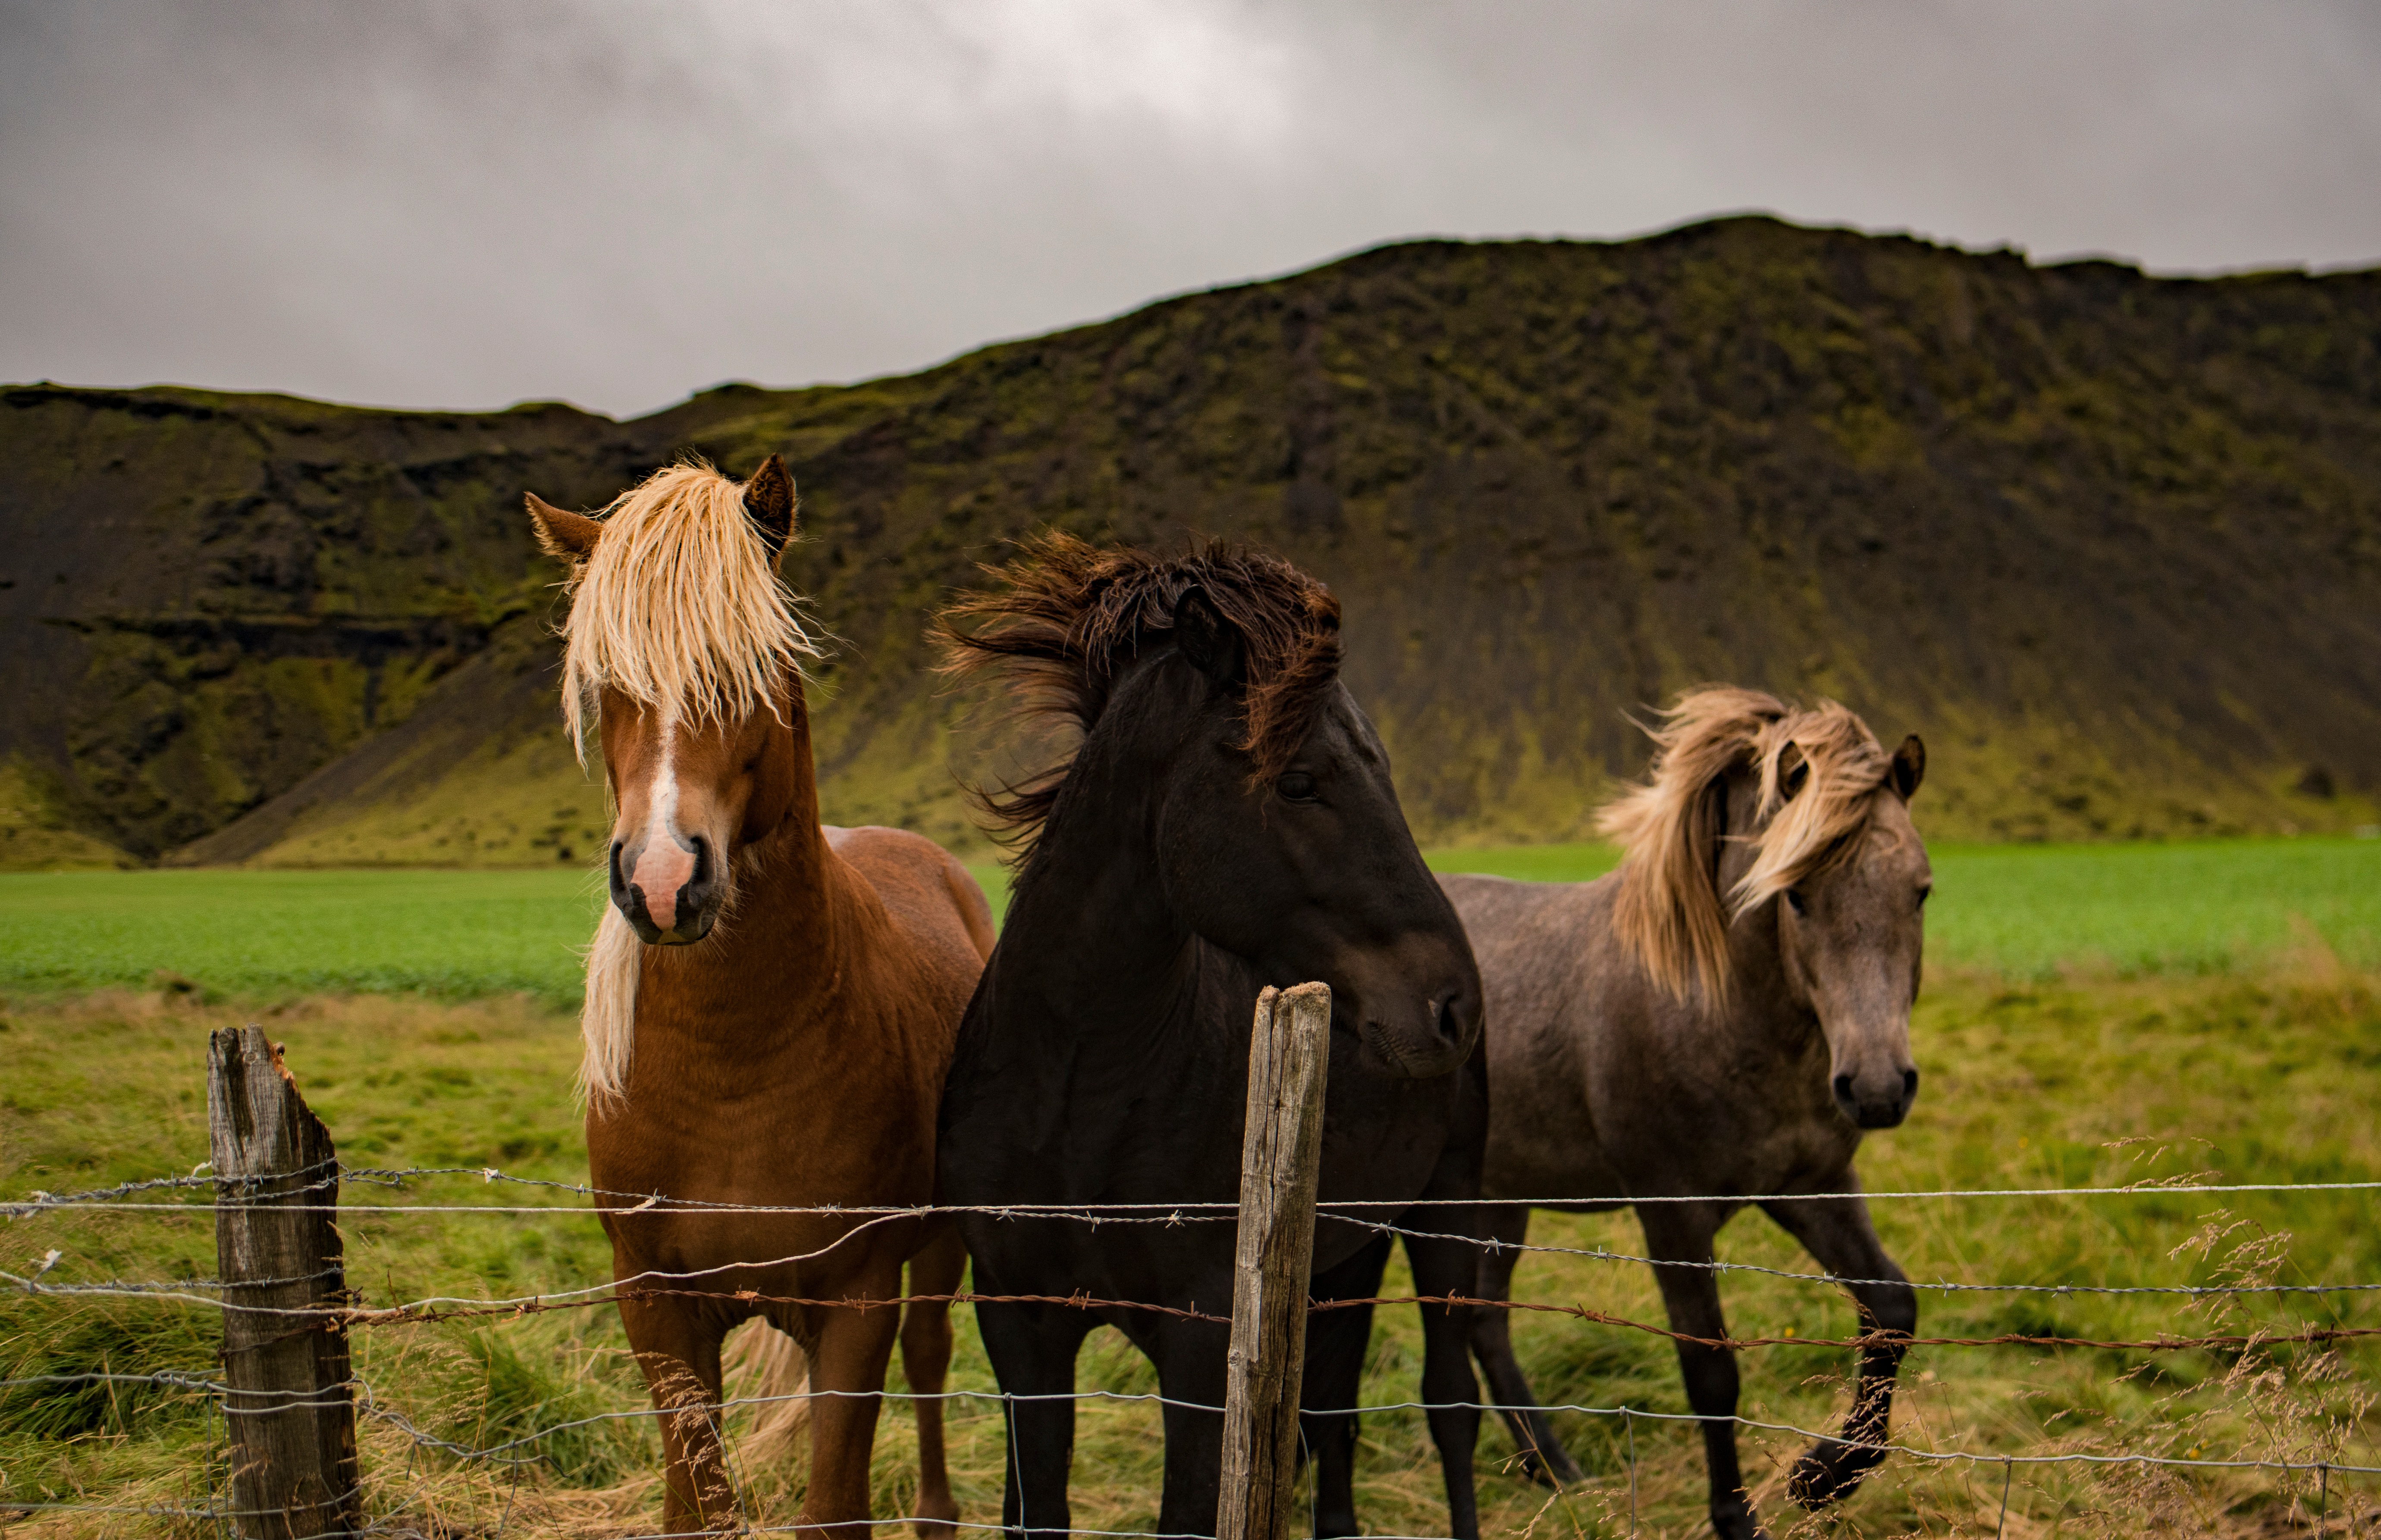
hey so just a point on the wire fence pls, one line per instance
(160, 1196)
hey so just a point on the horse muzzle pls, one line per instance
(669, 893)
(1429, 1039)
(1876, 1101)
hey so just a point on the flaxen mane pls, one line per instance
(1820, 770)
(680, 605)
(1066, 616)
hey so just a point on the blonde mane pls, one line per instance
(680, 607)
(1820, 773)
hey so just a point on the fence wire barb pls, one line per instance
(105, 1198)
(413, 1314)
(1599, 1254)
(243, 1193)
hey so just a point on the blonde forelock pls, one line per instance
(679, 607)
(1819, 771)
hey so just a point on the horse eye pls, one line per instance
(1296, 787)
(1794, 900)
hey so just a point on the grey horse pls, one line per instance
(1724, 1015)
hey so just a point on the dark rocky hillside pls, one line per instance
(2113, 543)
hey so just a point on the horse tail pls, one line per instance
(763, 1363)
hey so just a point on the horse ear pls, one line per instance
(1794, 772)
(570, 536)
(1708, 833)
(1908, 767)
(769, 503)
(1211, 643)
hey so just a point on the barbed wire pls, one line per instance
(501, 1455)
(550, 1299)
(368, 1401)
(1599, 1254)
(109, 1198)
(362, 1397)
(594, 1297)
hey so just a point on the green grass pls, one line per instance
(2215, 1003)
(2029, 910)
(278, 934)
(2263, 1076)
(2024, 912)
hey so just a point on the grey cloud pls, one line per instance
(464, 205)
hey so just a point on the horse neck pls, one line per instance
(1761, 1010)
(789, 937)
(1092, 939)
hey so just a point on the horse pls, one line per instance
(770, 1002)
(1722, 1018)
(1226, 820)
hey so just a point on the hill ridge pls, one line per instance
(2111, 541)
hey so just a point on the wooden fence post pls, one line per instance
(1280, 1156)
(290, 1411)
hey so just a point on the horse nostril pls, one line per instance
(1450, 1026)
(701, 862)
(1908, 1086)
(1843, 1089)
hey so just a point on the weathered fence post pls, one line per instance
(1280, 1155)
(290, 1411)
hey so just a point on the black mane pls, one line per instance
(1066, 616)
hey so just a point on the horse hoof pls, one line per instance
(937, 1520)
(1553, 1467)
(1827, 1474)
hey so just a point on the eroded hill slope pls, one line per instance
(2112, 543)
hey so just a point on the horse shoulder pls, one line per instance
(1533, 942)
(936, 913)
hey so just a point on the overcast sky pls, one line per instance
(616, 203)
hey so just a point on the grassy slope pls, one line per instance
(2021, 911)
(213, 595)
(2109, 542)
(2262, 1076)
(37, 834)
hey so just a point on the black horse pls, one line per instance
(1225, 823)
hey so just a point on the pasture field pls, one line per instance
(2268, 1076)
(2105, 1015)
(2025, 911)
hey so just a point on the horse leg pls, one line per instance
(1335, 1341)
(1033, 1349)
(1837, 1233)
(848, 1382)
(1189, 1357)
(1449, 1267)
(1544, 1459)
(1682, 1233)
(925, 1360)
(676, 1344)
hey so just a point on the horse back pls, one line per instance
(1548, 984)
(925, 891)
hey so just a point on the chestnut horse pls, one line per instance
(1724, 1015)
(770, 1003)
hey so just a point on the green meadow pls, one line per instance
(2020, 911)
(2095, 1016)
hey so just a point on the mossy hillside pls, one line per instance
(36, 833)
(2112, 543)
(214, 595)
